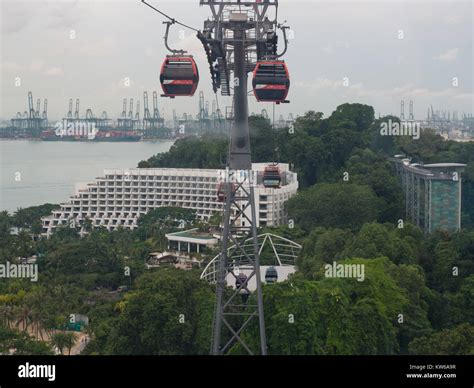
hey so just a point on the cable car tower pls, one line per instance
(241, 37)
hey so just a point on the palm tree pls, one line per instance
(36, 229)
(63, 341)
(87, 225)
(25, 243)
(70, 341)
(6, 224)
(37, 301)
(215, 220)
(24, 316)
(59, 341)
(7, 314)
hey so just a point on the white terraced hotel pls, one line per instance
(120, 197)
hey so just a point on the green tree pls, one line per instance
(337, 205)
(20, 343)
(336, 316)
(448, 342)
(170, 312)
(368, 168)
(359, 114)
(322, 246)
(384, 144)
(423, 149)
(375, 240)
(30, 216)
(61, 341)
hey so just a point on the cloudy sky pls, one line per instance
(385, 50)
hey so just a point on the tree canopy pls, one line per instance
(416, 297)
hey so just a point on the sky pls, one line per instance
(371, 52)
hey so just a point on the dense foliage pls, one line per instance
(417, 295)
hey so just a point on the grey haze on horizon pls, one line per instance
(116, 39)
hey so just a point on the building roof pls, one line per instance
(192, 233)
(442, 165)
(418, 169)
(427, 170)
(192, 236)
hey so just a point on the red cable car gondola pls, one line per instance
(221, 191)
(272, 176)
(271, 81)
(179, 76)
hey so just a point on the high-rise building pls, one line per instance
(120, 197)
(432, 193)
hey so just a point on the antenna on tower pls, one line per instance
(45, 109)
(76, 113)
(130, 111)
(124, 108)
(69, 113)
(156, 112)
(137, 115)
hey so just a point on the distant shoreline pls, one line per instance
(86, 141)
(34, 172)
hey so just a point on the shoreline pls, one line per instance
(87, 141)
(35, 172)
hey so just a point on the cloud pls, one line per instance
(16, 16)
(332, 47)
(188, 42)
(448, 56)
(12, 67)
(104, 46)
(123, 84)
(34, 66)
(150, 52)
(360, 90)
(63, 15)
(54, 71)
(453, 20)
(320, 84)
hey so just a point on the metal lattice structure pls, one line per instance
(236, 39)
(284, 253)
(239, 34)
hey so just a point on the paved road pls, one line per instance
(81, 342)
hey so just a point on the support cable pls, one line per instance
(173, 20)
(274, 143)
(218, 110)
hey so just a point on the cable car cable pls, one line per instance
(274, 137)
(169, 17)
(218, 110)
(230, 132)
(273, 123)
